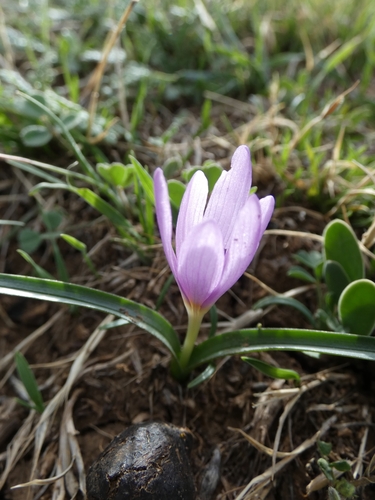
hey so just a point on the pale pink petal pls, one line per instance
(230, 193)
(200, 262)
(192, 207)
(164, 217)
(267, 205)
(242, 247)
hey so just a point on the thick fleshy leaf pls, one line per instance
(176, 191)
(192, 208)
(335, 278)
(67, 293)
(164, 216)
(243, 245)
(230, 193)
(357, 307)
(341, 245)
(200, 263)
(267, 205)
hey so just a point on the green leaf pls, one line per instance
(27, 378)
(327, 318)
(346, 489)
(176, 191)
(39, 271)
(270, 370)
(213, 319)
(73, 242)
(341, 465)
(29, 240)
(326, 469)
(333, 494)
(67, 293)
(277, 300)
(164, 291)
(35, 136)
(52, 219)
(29, 109)
(85, 165)
(335, 278)
(212, 171)
(205, 375)
(102, 206)
(341, 245)
(62, 271)
(242, 342)
(343, 53)
(324, 448)
(122, 225)
(144, 178)
(310, 259)
(300, 273)
(171, 166)
(206, 114)
(357, 307)
(116, 174)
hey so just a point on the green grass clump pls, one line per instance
(289, 62)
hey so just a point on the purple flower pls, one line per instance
(215, 240)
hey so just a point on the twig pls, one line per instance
(96, 78)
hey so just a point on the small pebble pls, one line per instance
(148, 461)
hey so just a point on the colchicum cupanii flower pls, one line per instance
(215, 240)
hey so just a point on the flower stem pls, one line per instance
(194, 323)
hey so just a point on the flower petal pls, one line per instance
(192, 207)
(230, 193)
(243, 245)
(267, 205)
(200, 263)
(164, 217)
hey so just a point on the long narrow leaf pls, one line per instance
(270, 370)
(285, 301)
(86, 167)
(42, 273)
(38, 168)
(123, 226)
(275, 339)
(145, 179)
(66, 293)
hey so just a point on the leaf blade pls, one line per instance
(242, 342)
(67, 293)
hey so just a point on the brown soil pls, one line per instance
(137, 386)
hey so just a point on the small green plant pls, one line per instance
(28, 380)
(339, 488)
(82, 248)
(346, 299)
(30, 240)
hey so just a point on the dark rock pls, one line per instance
(148, 461)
